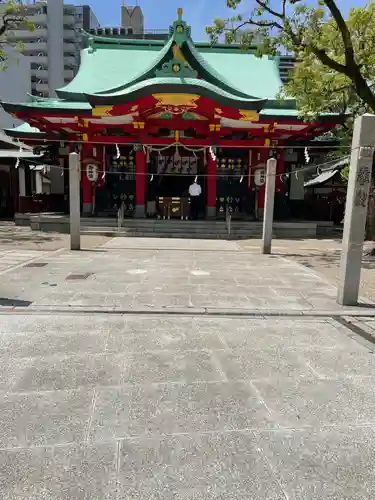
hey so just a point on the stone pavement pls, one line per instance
(143, 391)
(147, 274)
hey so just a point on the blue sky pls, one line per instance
(159, 14)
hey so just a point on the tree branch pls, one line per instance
(344, 30)
(269, 10)
(265, 24)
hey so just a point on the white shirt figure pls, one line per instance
(195, 189)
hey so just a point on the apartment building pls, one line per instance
(53, 48)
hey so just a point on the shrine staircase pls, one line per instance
(175, 228)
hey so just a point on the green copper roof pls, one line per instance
(115, 71)
(177, 85)
(112, 66)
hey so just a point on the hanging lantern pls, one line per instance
(92, 172)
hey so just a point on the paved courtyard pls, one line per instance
(184, 370)
(148, 275)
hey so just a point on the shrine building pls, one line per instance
(148, 117)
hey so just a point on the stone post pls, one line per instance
(38, 182)
(269, 202)
(211, 185)
(140, 183)
(356, 209)
(74, 200)
(21, 181)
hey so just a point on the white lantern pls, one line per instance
(260, 177)
(92, 172)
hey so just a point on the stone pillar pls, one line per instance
(140, 183)
(263, 154)
(86, 185)
(269, 205)
(356, 209)
(74, 201)
(38, 182)
(21, 182)
(211, 185)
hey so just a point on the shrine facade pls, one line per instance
(149, 117)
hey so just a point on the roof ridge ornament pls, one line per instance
(180, 31)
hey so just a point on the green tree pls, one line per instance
(12, 16)
(335, 57)
(335, 68)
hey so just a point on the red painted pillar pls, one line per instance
(140, 183)
(86, 185)
(211, 185)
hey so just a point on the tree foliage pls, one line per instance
(335, 68)
(13, 16)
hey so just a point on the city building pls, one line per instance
(132, 19)
(149, 117)
(53, 47)
(15, 83)
(132, 27)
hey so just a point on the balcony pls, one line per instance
(38, 19)
(40, 73)
(69, 19)
(24, 35)
(43, 59)
(70, 47)
(70, 61)
(68, 74)
(71, 34)
(35, 46)
(42, 87)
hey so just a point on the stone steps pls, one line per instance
(176, 228)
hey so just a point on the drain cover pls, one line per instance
(36, 264)
(83, 276)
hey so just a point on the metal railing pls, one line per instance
(120, 216)
(228, 219)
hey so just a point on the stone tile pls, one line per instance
(220, 300)
(300, 402)
(45, 418)
(32, 344)
(26, 474)
(175, 408)
(241, 364)
(59, 373)
(160, 300)
(11, 370)
(176, 335)
(36, 323)
(170, 366)
(157, 325)
(85, 472)
(358, 363)
(330, 463)
(216, 464)
(261, 333)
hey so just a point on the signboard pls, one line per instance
(260, 177)
(92, 172)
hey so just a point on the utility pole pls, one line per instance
(356, 209)
(269, 205)
(74, 201)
